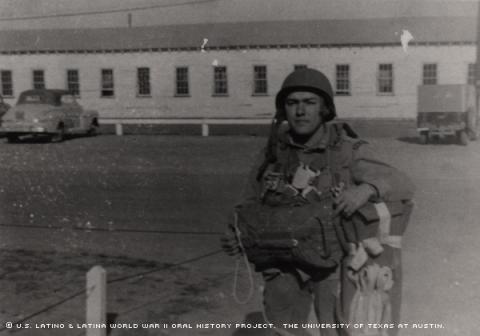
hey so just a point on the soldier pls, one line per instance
(302, 193)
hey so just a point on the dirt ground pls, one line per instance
(150, 210)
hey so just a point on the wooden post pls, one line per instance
(97, 300)
(477, 71)
(119, 129)
(204, 129)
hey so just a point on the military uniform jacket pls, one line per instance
(352, 161)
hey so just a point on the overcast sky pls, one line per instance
(111, 13)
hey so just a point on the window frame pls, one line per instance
(179, 81)
(471, 70)
(346, 81)
(144, 82)
(3, 84)
(34, 79)
(390, 79)
(103, 87)
(75, 92)
(429, 74)
(260, 82)
(220, 81)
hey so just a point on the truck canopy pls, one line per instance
(446, 98)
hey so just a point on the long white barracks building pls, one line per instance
(233, 70)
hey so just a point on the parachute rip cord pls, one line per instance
(243, 257)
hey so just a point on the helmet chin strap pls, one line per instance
(326, 114)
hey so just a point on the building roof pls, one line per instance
(371, 32)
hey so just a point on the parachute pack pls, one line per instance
(300, 234)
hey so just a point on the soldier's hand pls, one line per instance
(230, 244)
(351, 199)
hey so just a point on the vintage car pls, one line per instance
(48, 112)
(3, 107)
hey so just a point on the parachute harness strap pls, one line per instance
(241, 258)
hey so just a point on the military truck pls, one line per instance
(447, 110)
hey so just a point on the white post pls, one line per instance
(97, 300)
(204, 129)
(118, 129)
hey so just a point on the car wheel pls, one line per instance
(11, 138)
(424, 138)
(462, 138)
(59, 136)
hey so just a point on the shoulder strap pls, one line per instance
(271, 150)
(276, 151)
(339, 128)
(339, 132)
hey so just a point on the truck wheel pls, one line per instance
(472, 135)
(424, 138)
(462, 138)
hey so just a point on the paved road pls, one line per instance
(97, 194)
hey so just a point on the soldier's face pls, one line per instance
(304, 112)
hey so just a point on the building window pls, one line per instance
(342, 79)
(220, 86)
(299, 66)
(385, 78)
(38, 79)
(73, 82)
(181, 88)
(108, 89)
(6, 83)
(471, 74)
(143, 82)
(430, 74)
(260, 80)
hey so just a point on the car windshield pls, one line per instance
(39, 98)
(33, 99)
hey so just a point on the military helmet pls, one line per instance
(310, 80)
